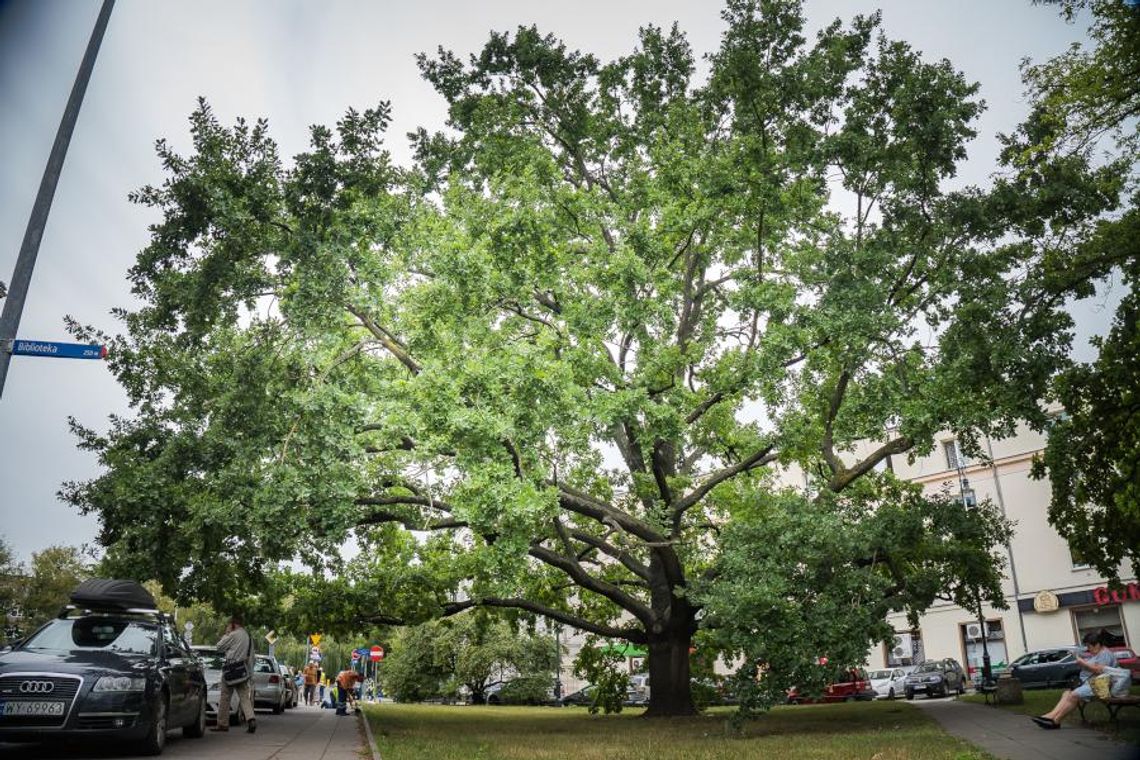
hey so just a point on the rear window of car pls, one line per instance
(95, 634)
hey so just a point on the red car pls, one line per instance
(1126, 658)
(851, 685)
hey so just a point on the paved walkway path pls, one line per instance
(303, 733)
(1012, 736)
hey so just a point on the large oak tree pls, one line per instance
(582, 332)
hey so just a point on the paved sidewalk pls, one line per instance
(303, 733)
(1015, 737)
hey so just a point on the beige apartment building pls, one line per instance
(1053, 598)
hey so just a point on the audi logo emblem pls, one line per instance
(37, 687)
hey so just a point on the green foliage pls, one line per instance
(472, 651)
(597, 257)
(12, 589)
(1075, 157)
(53, 575)
(802, 581)
(604, 668)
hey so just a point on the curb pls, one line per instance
(368, 733)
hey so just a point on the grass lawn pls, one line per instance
(1040, 701)
(871, 730)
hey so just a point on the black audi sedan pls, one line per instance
(109, 666)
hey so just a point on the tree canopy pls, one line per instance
(550, 365)
(1076, 156)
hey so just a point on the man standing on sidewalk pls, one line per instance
(310, 673)
(237, 645)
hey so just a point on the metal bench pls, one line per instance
(987, 690)
(1113, 704)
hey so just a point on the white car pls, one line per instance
(887, 683)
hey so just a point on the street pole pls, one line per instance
(29, 249)
(969, 501)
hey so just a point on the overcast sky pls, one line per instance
(302, 63)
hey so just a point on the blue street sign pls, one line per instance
(58, 350)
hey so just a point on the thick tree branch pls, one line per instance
(632, 635)
(844, 477)
(758, 458)
(386, 339)
(625, 558)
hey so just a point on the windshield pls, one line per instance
(928, 667)
(212, 659)
(95, 634)
(877, 674)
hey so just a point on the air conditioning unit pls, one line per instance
(902, 646)
(973, 631)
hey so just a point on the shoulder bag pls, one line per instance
(234, 673)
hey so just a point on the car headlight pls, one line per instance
(119, 683)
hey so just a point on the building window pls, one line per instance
(1102, 620)
(973, 634)
(1078, 559)
(955, 459)
(905, 650)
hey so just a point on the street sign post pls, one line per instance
(57, 350)
(377, 653)
(355, 655)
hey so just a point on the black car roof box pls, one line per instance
(109, 593)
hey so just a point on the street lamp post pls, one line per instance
(558, 674)
(969, 501)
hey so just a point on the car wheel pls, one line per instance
(961, 688)
(155, 739)
(849, 699)
(278, 708)
(197, 729)
(891, 693)
(909, 694)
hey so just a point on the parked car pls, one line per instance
(213, 659)
(849, 685)
(289, 683)
(1045, 668)
(935, 678)
(1126, 658)
(584, 697)
(110, 665)
(888, 683)
(268, 687)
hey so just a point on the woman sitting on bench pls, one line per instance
(1098, 661)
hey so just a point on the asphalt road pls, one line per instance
(302, 732)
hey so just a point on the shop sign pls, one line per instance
(1103, 595)
(1046, 601)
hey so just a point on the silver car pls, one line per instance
(268, 687)
(212, 660)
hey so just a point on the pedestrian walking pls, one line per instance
(237, 675)
(310, 673)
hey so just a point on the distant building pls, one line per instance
(1054, 598)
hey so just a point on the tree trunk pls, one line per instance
(670, 692)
